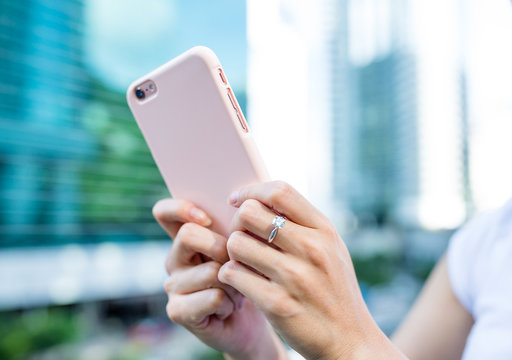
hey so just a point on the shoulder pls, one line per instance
(470, 250)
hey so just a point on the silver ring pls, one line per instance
(277, 223)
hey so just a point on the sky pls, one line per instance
(126, 39)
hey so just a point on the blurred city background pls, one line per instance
(393, 116)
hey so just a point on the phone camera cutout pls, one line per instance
(145, 90)
(140, 94)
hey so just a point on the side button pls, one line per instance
(242, 121)
(222, 77)
(231, 97)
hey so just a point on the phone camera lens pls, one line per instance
(140, 94)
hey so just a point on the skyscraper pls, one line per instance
(397, 113)
(44, 85)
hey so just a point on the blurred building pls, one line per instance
(397, 113)
(77, 181)
(375, 93)
(55, 169)
(44, 90)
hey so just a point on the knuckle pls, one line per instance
(293, 273)
(280, 304)
(246, 212)
(218, 249)
(158, 210)
(169, 284)
(234, 243)
(211, 271)
(331, 232)
(194, 319)
(169, 209)
(173, 254)
(183, 238)
(168, 264)
(216, 297)
(316, 253)
(173, 312)
(281, 190)
(186, 232)
(227, 273)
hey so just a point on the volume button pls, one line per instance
(238, 112)
(242, 121)
(232, 99)
(223, 77)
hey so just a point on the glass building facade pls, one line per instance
(74, 167)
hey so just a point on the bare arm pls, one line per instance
(437, 325)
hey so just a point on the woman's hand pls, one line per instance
(216, 313)
(304, 282)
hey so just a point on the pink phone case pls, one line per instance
(197, 133)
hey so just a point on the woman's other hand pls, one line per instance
(215, 312)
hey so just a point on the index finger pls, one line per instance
(171, 213)
(283, 199)
(192, 240)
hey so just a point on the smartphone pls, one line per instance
(197, 134)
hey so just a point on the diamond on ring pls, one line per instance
(278, 223)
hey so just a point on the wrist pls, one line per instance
(269, 347)
(377, 346)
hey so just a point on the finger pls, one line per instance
(192, 310)
(197, 278)
(246, 249)
(261, 291)
(191, 240)
(172, 213)
(283, 199)
(257, 218)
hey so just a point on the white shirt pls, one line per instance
(480, 271)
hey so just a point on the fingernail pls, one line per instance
(233, 198)
(200, 216)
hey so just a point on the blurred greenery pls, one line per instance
(123, 173)
(63, 333)
(421, 269)
(129, 353)
(24, 333)
(211, 355)
(375, 270)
